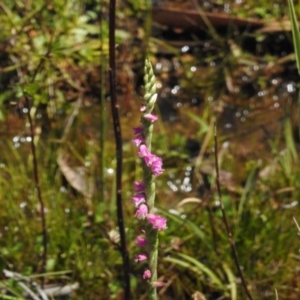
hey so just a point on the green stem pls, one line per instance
(151, 234)
(152, 239)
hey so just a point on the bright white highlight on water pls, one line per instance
(185, 49)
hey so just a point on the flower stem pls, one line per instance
(151, 234)
(144, 199)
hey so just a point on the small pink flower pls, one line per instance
(147, 274)
(157, 222)
(149, 158)
(138, 140)
(139, 187)
(139, 135)
(154, 163)
(143, 108)
(141, 242)
(150, 117)
(158, 283)
(156, 166)
(138, 199)
(143, 151)
(140, 257)
(142, 212)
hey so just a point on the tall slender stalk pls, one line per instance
(34, 156)
(144, 199)
(38, 187)
(119, 154)
(225, 220)
(151, 235)
(34, 160)
(103, 112)
(35, 166)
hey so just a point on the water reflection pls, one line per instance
(175, 89)
(183, 184)
(289, 205)
(63, 189)
(185, 49)
(23, 205)
(18, 140)
(110, 171)
(177, 213)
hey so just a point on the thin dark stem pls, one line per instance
(36, 170)
(35, 164)
(228, 230)
(38, 188)
(118, 139)
(103, 110)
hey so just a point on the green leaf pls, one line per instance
(6, 297)
(202, 123)
(289, 139)
(31, 88)
(197, 267)
(192, 227)
(2, 118)
(3, 264)
(295, 31)
(249, 188)
(232, 281)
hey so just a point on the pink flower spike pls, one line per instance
(139, 187)
(142, 212)
(140, 257)
(143, 151)
(138, 199)
(157, 222)
(141, 242)
(147, 274)
(150, 117)
(158, 283)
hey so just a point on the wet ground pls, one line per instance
(244, 79)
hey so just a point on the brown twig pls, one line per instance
(36, 173)
(34, 161)
(36, 170)
(103, 118)
(118, 140)
(38, 187)
(225, 221)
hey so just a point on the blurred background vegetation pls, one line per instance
(244, 77)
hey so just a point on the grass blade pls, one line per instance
(232, 281)
(197, 267)
(295, 31)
